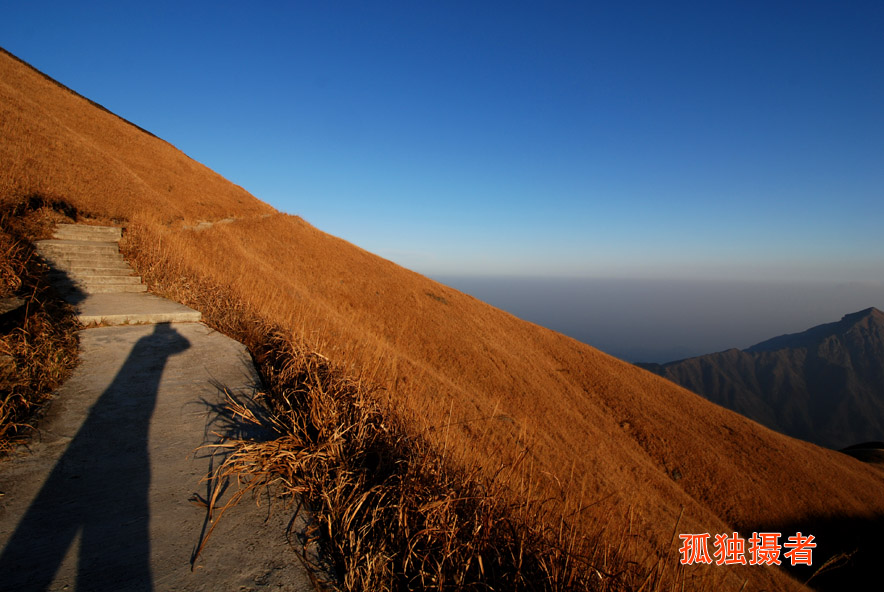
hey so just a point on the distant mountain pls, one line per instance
(825, 385)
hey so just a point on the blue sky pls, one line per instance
(737, 140)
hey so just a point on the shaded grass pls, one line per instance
(38, 343)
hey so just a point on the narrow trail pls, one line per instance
(103, 497)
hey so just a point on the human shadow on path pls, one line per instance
(99, 487)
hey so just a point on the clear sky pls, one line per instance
(737, 140)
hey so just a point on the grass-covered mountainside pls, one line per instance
(607, 462)
(824, 385)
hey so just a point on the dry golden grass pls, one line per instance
(386, 510)
(62, 146)
(540, 420)
(38, 345)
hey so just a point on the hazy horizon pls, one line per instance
(662, 320)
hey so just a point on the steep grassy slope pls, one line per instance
(824, 385)
(598, 440)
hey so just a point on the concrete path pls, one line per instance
(101, 499)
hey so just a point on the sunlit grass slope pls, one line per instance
(598, 440)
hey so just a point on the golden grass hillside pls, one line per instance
(596, 441)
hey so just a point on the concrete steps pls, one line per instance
(89, 270)
(133, 309)
(101, 278)
(87, 260)
(101, 285)
(75, 263)
(88, 233)
(79, 247)
(122, 270)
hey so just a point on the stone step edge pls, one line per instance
(56, 251)
(90, 230)
(103, 288)
(86, 238)
(73, 242)
(112, 288)
(88, 257)
(140, 318)
(88, 250)
(75, 225)
(90, 270)
(102, 280)
(94, 230)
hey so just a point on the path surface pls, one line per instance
(101, 500)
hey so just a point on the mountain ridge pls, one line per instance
(804, 338)
(824, 385)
